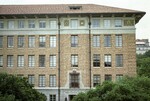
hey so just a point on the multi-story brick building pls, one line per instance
(67, 49)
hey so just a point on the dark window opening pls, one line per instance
(75, 7)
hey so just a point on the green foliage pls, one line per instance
(14, 88)
(128, 89)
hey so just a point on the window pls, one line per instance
(52, 97)
(10, 41)
(42, 40)
(53, 24)
(52, 79)
(21, 24)
(31, 60)
(20, 41)
(108, 77)
(107, 40)
(11, 24)
(31, 24)
(119, 77)
(119, 60)
(118, 23)
(96, 80)
(52, 41)
(95, 23)
(20, 60)
(31, 41)
(107, 62)
(96, 60)
(106, 23)
(1, 24)
(1, 61)
(74, 60)
(42, 24)
(52, 60)
(9, 60)
(41, 60)
(74, 40)
(96, 40)
(31, 79)
(42, 80)
(74, 23)
(74, 80)
(1, 42)
(118, 40)
(20, 75)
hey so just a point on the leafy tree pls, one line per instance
(14, 88)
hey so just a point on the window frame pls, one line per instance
(1, 24)
(108, 77)
(95, 23)
(42, 41)
(107, 60)
(107, 41)
(21, 24)
(74, 80)
(74, 40)
(53, 41)
(20, 61)
(96, 80)
(1, 61)
(10, 41)
(119, 58)
(118, 41)
(21, 41)
(42, 24)
(31, 79)
(42, 81)
(42, 60)
(74, 60)
(31, 23)
(96, 60)
(10, 60)
(52, 80)
(31, 60)
(1, 41)
(96, 40)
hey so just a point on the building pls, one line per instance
(142, 46)
(69, 48)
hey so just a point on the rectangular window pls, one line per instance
(118, 40)
(31, 79)
(31, 41)
(96, 80)
(52, 79)
(10, 41)
(10, 61)
(74, 40)
(21, 24)
(119, 60)
(31, 60)
(108, 77)
(20, 60)
(74, 23)
(42, 24)
(42, 80)
(52, 41)
(119, 77)
(74, 80)
(95, 23)
(21, 41)
(1, 61)
(52, 97)
(52, 60)
(1, 42)
(96, 60)
(107, 40)
(42, 40)
(118, 23)
(106, 23)
(11, 24)
(20, 75)
(107, 62)
(1, 24)
(53, 24)
(41, 60)
(96, 40)
(31, 24)
(74, 60)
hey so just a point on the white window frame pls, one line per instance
(52, 60)
(1, 41)
(52, 80)
(74, 23)
(42, 41)
(20, 60)
(31, 79)
(10, 41)
(118, 23)
(108, 59)
(21, 41)
(53, 24)
(31, 23)
(53, 41)
(42, 24)
(31, 41)
(74, 60)
(31, 60)
(1, 61)
(21, 24)
(95, 23)
(119, 40)
(119, 60)
(1, 24)
(42, 80)
(96, 40)
(11, 24)
(10, 61)
(107, 23)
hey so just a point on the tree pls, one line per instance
(14, 88)
(128, 89)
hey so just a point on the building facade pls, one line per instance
(142, 46)
(67, 49)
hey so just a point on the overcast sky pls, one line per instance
(142, 28)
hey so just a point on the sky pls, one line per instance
(142, 28)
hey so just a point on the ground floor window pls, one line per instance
(52, 97)
(74, 80)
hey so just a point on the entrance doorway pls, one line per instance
(71, 97)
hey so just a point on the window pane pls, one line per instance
(52, 97)
(119, 60)
(74, 60)
(20, 41)
(42, 40)
(108, 77)
(52, 80)
(96, 60)
(118, 40)
(52, 60)
(42, 80)
(41, 60)
(96, 80)
(74, 23)
(1, 61)
(106, 23)
(118, 23)
(42, 24)
(31, 41)
(107, 62)
(31, 79)
(11, 24)
(1, 42)
(10, 61)
(21, 24)
(119, 77)
(10, 41)
(96, 40)
(107, 41)
(20, 61)
(52, 41)
(53, 24)
(31, 24)
(95, 23)
(74, 80)
(74, 40)
(31, 60)
(1, 24)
